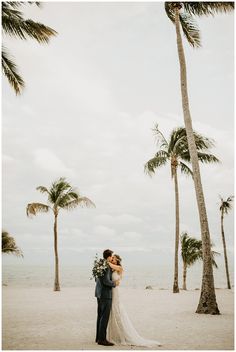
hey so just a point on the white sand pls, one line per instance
(40, 319)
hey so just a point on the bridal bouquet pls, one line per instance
(99, 267)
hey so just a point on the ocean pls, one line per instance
(74, 276)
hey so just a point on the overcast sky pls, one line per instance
(91, 100)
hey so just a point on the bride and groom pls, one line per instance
(113, 323)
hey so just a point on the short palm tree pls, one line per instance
(176, 153)
(9, 245)
(182, 16)
(225, 206)
(14, 25)
(60, 196)
(191, 251)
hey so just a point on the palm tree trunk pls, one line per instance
(184, 276)
(176, 268)
(56, 281)
(225, 253)
(207, 303)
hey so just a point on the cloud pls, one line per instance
(95, 127)
(122, 219)
(49, 161)
(104, 231)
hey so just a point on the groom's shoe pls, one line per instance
(105, 343)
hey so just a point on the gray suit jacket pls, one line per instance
(104, 285)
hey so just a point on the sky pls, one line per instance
(92, 98)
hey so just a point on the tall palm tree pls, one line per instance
(225, 206)
(14, 25)
(60, 196)
(191, 251)
(181, 14)
(9, 245)
(176, 152)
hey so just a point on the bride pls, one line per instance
(120, 330)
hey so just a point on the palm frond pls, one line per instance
(191, 250)
(9, 245)
(81, 201)
(203, 142)
(185, 169)
(34, 208)
(42, 189)
(22, 29)
(160, 138)
(214, 253)
(10, 71)
(190, 29)
(70, 204)
(86, 202)
(66, 197)
(178, 141)
(10, 10)
(170, 11)
(207, 8)
(226, 205)
(16, 4)
(14, 24)
(57, 189)
(160, 159)
(207, 158)
(230, 199)
(202, 157)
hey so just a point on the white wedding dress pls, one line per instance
(120, 330)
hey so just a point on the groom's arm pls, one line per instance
(107, 281)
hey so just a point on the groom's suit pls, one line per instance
(103, 292)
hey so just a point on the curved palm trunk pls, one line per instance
(56, 281)
(225, 253)
(207, 303)
(176, 268)
(184, 276)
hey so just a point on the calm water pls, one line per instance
(42, 276)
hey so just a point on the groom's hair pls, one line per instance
(107, 253)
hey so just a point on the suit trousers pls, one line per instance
(103, 312)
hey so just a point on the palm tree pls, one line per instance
(175, 151)
(191, 251)
(9, 245)
(181, 14)
(14, 25)
(225, 206)
(60, 196)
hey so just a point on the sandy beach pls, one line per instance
(40, 319)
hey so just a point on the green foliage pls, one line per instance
(34, 208)
(176, 151)
(14, 25)
(10, 71)
(226, 205)
(191, 250)
(187, 12)
(207, 8)
(61, 195)
(9, 245)
(190, 29)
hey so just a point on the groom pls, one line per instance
(103, 292)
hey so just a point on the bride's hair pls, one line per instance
(118, 258)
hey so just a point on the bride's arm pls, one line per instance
(116, 267)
